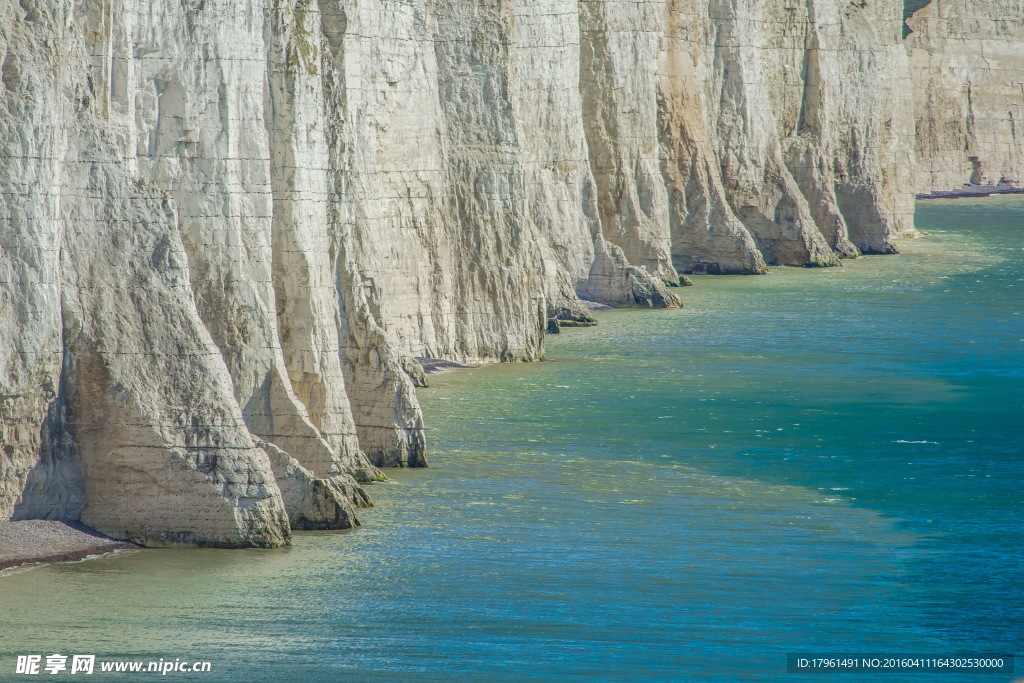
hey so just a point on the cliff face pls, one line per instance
(229, 227)
(968, 66)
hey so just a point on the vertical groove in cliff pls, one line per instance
(387, 417)
(305, 300)
(30, 173)
(618, 59)
(706, 235)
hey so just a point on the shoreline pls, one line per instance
(435, 366)
(972, 191)
(27, 543)
(38, 541)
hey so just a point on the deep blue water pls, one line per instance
(811, 461)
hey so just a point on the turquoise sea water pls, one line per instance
(813, 461)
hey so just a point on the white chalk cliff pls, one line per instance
(968, 64)
(228, 228)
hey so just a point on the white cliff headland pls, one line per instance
(228, 229)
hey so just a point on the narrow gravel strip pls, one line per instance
(973, 191)
(35, 540)
(432, 366)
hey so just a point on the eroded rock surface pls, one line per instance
(227, 229)
(968, 66)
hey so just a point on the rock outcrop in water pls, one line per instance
(968, 66)
(228, 228)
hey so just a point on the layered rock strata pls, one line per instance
(228, 228)
(967, 60)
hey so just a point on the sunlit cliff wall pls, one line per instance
(228, 228)
(967, 60)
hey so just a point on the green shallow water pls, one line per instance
(810, 461)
